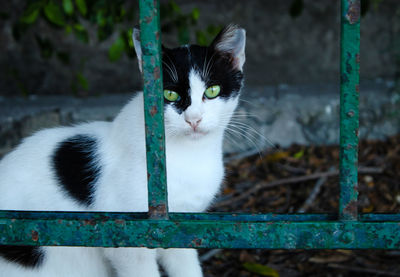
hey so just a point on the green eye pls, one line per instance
(212, 91)
(171, 95)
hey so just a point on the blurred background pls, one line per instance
(67, 61)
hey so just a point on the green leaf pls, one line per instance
(30, 16)
(183, 34)
(175, 7)
(81, 4)
(100, 18)
(79, 27)
(201, 38)
(68, 29)
(299, 154)
(116, 49)
(82, 81)
(81, 33)
(195, 14)
(261, 269)
(68, 7)
(54, 14)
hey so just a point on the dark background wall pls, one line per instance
(281, 49)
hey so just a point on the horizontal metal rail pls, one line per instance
(269, 231)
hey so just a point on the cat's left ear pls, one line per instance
(232, 41)
(138, 47)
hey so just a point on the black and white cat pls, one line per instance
(101, 166)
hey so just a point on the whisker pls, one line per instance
(241, 135)
(169, 70)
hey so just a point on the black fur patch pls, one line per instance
(202, 59)
(75, 167)
(28, 256)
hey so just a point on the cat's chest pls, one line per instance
(193, 177)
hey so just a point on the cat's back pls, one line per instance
(29, 178)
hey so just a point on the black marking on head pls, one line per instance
(76, 168)
(28, 256)
(214, 67)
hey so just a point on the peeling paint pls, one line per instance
(353, 11)
(35, 235)
(153, 106)
(349, 112)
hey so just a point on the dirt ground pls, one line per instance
(305, 179)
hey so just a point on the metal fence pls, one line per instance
(159, 228)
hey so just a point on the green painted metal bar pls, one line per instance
(244, 217)
(112, 230)
(150, 36)
(349, 89)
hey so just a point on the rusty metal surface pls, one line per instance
(123, 230)
(349, 90)
(153, 106)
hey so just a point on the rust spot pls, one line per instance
(350, 114)
(351, 208)
(158, 211)
(119, 221)
(156, 73)
(153, 110)
(148, 19)
(353, 12)
(91, 222)
(358, 58)
(357, 88)
(35, 235)
(197, 242)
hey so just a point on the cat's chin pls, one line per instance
(198, 134)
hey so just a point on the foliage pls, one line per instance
(260, 269)
(109, 19)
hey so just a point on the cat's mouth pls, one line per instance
(197, 133)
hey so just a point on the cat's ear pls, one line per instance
(138, 47)
(232, 41)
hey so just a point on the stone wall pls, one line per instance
(270, 115)
(280, 48)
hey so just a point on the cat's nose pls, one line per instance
(194, 123)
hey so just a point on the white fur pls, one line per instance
(194, 175)
(233, 42)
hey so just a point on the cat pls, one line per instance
(100, 166)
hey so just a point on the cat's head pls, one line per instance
(201, 84)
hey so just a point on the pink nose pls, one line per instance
(194, 123)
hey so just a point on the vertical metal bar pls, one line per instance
(349, 90)
(150, 36)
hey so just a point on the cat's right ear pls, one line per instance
(138, 47)
(231, 40)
